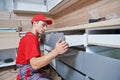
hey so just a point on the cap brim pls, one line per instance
(49, 22)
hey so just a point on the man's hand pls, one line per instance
(61, 46)
(38, 62)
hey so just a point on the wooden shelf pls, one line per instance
(2, 64)
(107, 23)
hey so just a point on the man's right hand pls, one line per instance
(39, 62)
(61, 47)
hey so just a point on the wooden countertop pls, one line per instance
(107, 23)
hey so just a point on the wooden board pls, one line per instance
(83, 10)
(9, 40)
(4, 15)
(108, 23)
(9, 23)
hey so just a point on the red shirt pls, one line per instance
(28, 48)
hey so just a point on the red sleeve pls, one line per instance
(31, 48)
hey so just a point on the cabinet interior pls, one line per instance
(105, 31)
(104, 51)
(7, 53)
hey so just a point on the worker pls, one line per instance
(29, 59)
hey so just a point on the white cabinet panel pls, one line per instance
(111, 40)
(75, 40)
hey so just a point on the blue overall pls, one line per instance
(26, 72)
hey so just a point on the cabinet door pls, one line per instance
(102, 68)
(72, 40)
(75, 59)
(68, 73)
(52, 38)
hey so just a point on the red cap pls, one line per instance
(42, 18)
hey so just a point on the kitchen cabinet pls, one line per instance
(100, 59)
(73, 40)
(67, 72)
(50, 7)
(103, 39)
(102, 67)
(7, 57)
(104, 36)
(53, 38)
(9, 40)
(74, 58)
(8, 48)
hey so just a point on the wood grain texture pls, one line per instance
(79, 12)
(9, 40)
(9, 23)
(108, 23)
(75, 14)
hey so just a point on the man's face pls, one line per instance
(41, 26)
